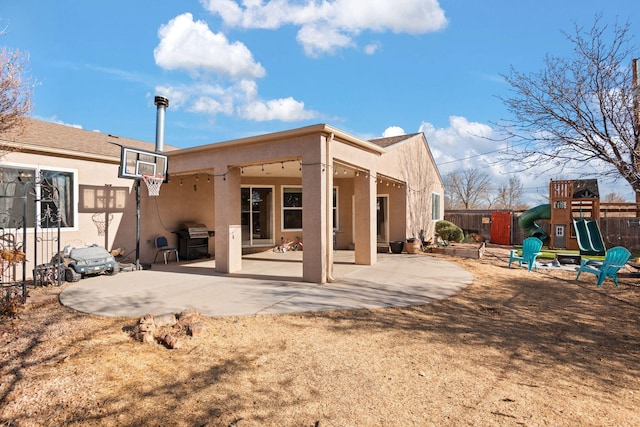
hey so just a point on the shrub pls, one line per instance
(449, 231)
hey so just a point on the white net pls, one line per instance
(102, 220)
(153, 183)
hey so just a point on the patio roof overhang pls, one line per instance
(325, 129)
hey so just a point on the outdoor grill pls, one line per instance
(193, 241)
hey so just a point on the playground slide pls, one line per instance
(527, 221)
(589, 237)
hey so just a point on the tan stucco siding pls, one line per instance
(94, 181)
(411, 162)
(217, 160)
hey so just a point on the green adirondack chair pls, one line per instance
(530, 250)
(615, 259)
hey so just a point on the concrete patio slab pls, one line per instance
(269, 283)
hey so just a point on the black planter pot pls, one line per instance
(396, 247)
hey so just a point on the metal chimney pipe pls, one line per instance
(162, 103)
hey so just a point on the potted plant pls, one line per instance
(413, 245)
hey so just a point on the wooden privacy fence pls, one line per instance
(619, 224)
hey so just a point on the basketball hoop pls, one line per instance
(153, 183)
(101, 220)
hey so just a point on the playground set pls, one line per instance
(573, 214)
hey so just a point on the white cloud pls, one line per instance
(228, 10)
(461, 140)
(372, 48)
(284, 109)
(177, 97)
(469, 145)
(317, 40)
(192, 46)
(240, 98)
(393, 131)
(341, 20)
(56, 120)
(212, 106)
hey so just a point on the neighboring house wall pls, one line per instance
(410, 160)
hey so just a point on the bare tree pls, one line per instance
(510, 196)
(580, 109)
(613, 198)
(467, 188)
(16, 89)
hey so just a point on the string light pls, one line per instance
(346, 169)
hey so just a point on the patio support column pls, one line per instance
(227, 215)
(365, 196)
(314, 220)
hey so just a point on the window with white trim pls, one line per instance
(292, 208)
(53, 195)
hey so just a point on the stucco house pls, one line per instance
(317, 183)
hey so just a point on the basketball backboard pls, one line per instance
(135, 163)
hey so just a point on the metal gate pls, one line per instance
(13, 237)
(36, 208)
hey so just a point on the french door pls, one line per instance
(257, 216)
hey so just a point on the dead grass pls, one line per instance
(514, 348)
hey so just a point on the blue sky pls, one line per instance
(232, 69)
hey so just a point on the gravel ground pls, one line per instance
(513, 348)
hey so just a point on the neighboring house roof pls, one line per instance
(393, 140)
(386, 142)
(66, 141)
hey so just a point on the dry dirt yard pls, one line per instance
(512, 349)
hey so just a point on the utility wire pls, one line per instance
(482, 154)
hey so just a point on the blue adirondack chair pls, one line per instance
(530, 250)
(614, 260)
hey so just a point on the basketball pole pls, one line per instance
(138, 224)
